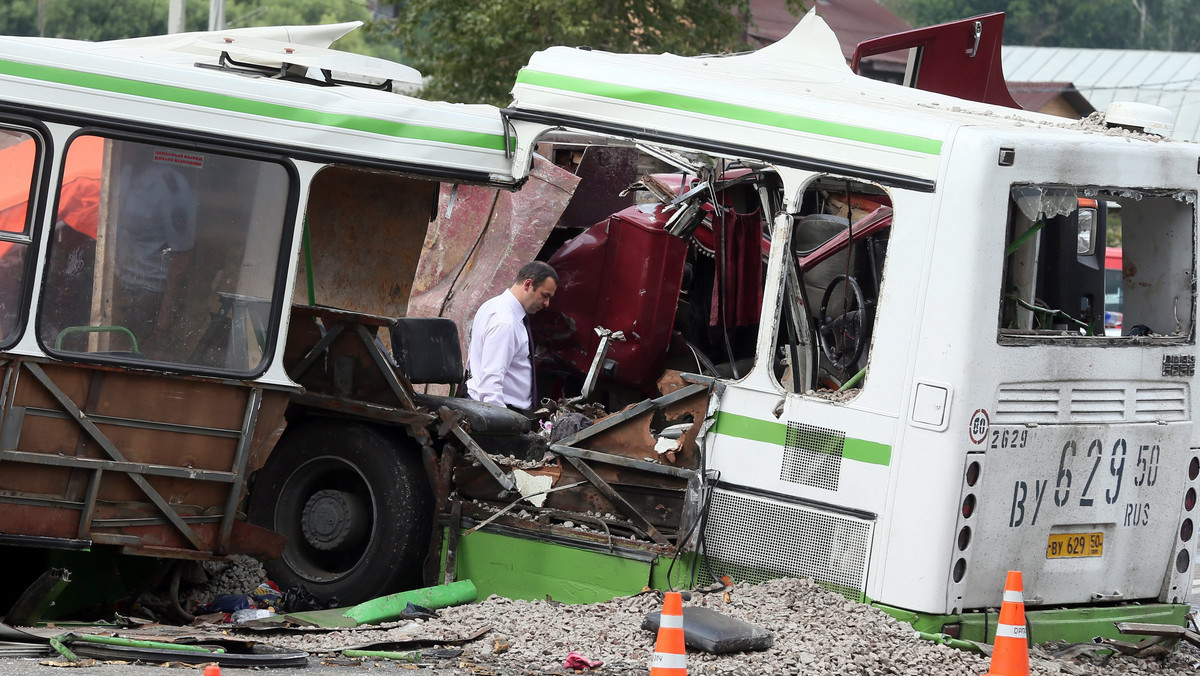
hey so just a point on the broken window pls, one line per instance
(1090, 263)
(669, 249)
(832, 284)
(19, 152)
(164, 254)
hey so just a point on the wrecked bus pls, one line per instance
(161, 197)
(895, 300)
(837, 329)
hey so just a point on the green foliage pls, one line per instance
(114, 19)
(472, 51)
(94, 19)
(241, 13)
(1105, 24)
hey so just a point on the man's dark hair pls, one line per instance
(538, 272)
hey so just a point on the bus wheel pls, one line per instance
(354, 506)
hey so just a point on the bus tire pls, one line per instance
(355, 506)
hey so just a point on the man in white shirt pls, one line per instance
(500, 357)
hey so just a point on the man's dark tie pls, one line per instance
(532, 364)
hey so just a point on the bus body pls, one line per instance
(871, 318)
(947, 407)
(160, 196)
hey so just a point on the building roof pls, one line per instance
(1039, 95)
(1167, 79)
(851, 20)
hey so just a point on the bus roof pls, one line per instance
(228, 84)
(795, 102)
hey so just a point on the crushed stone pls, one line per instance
(815, 632)
(239, 574)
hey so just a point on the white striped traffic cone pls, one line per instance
(670, 658)
(1010, 650)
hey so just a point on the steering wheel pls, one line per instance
(844, 337)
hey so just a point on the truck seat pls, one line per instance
(427, 351)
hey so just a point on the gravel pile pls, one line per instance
(815, 632)
(239, 575)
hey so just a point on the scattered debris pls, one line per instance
(709, 631)
(814, 631)
(38, 597)
(576, 661)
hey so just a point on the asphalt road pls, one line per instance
(22, 666)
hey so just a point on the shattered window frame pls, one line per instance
(831, 370)
(1062, 282)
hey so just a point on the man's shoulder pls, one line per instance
(496, 310)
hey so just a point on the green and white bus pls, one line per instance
(928, 398)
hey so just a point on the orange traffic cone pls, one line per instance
(1010, 651)
(670, 659)
(212, 670)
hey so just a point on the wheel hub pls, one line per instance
(334, 520)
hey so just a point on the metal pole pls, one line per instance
(41, 18)
(216, 15)
(176, 15)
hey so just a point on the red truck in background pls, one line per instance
(1112, 291)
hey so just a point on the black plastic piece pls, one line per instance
(711, 632)
(481, 417)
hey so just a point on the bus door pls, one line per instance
(800, 449)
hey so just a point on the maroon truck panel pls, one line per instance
(624, 274)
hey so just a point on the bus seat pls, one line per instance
(427, 350)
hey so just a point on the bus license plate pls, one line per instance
(1075, 545)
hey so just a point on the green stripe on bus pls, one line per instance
(867, 451)
(765, 431)
(731, 111)
(161, 92)
(754, 429)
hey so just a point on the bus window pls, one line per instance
(1059, 278)
(18, 159)
(163, 255)
(834, 275)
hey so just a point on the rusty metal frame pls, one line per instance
(610, 459)
(618, 501)
(315, 351)
(579, 457)
(240, 458)
(114, 453)
(472, 516)
(399, 386)
(116, 462)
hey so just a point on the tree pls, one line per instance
(1107, 24)
(94, 19)
(114, 19)
(240, 13)
(472, 51)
